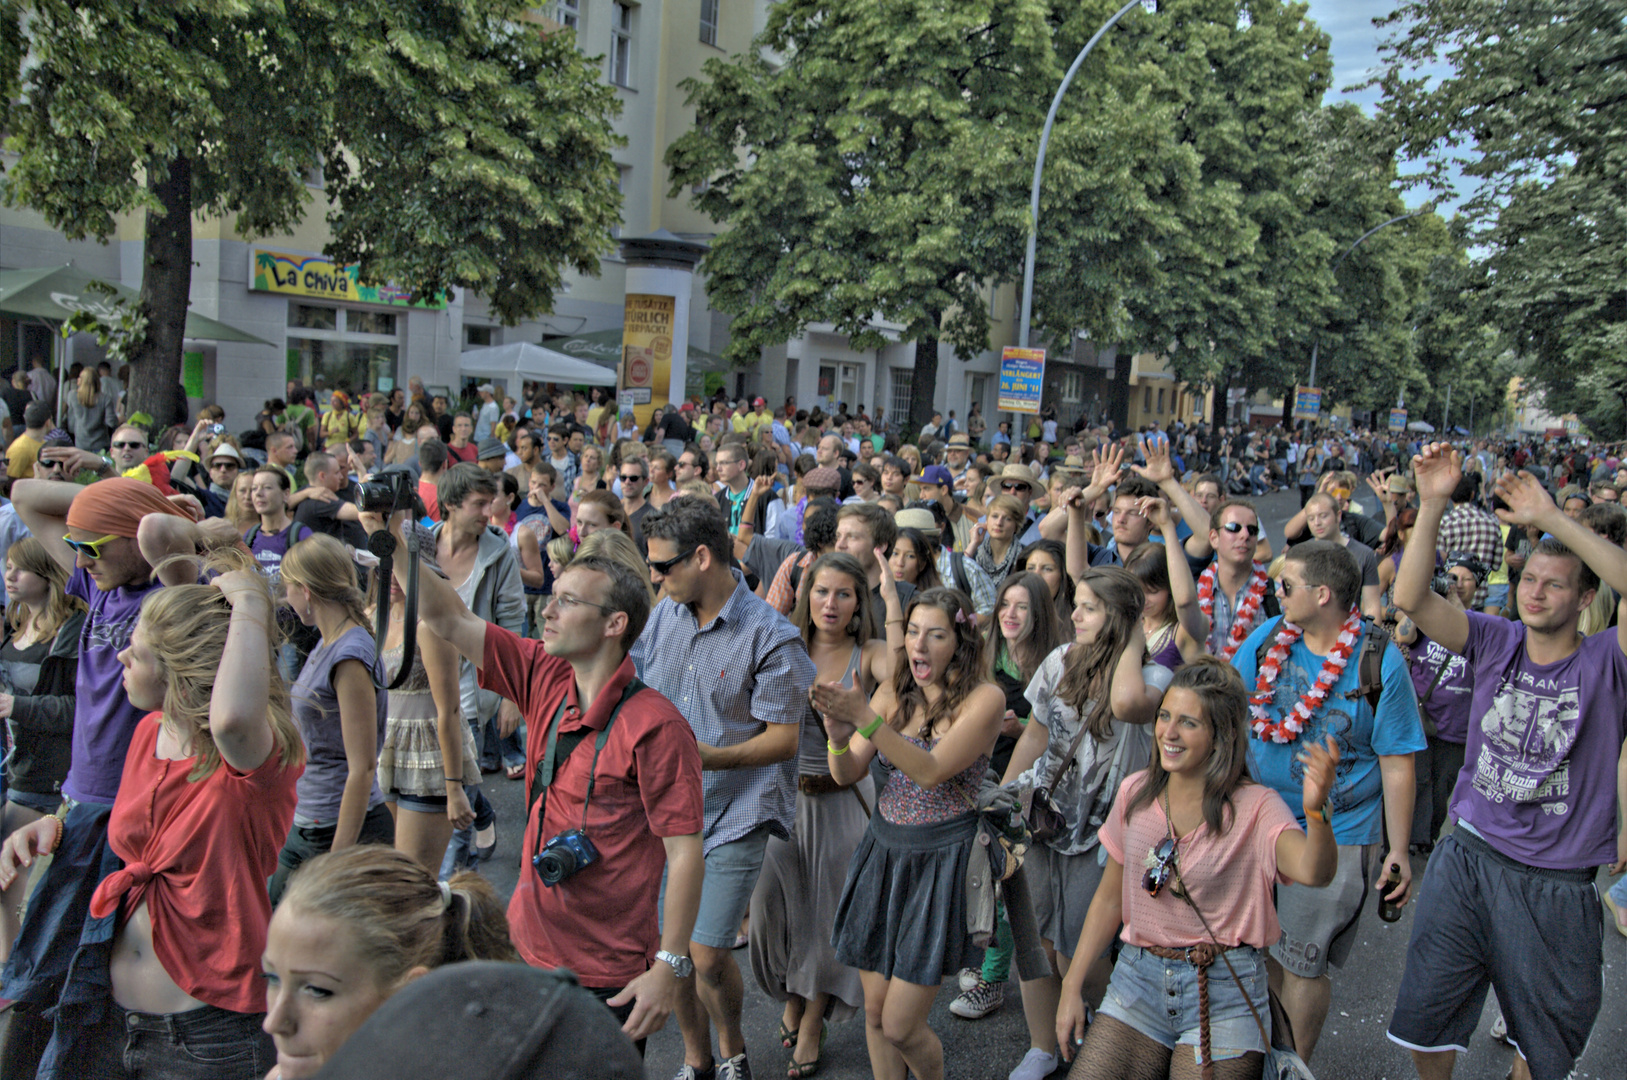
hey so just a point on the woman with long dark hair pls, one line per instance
(1173, 619)
(902, 916)
(1049, 559)
(1093, 700)
(794, 904)
(1205, 845)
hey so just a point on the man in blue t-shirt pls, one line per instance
(1509, 900)
(1373, 791)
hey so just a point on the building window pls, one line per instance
(352, 349)
(621, 45)
(1146, 399)
(476, 337)
(980, 393)
(827, 381)
(709, 22)
(1073, 385)
(567, 13)
(1160, 403)
(898, 409)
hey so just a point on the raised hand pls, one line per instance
(1526, 498)
(1159, 467)
(1156, 511)
(1105, 469)
(1321, 766)
(1437, 471)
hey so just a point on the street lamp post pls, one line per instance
(1039, 166)
(1317, 343)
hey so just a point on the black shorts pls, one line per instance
(1536, 936)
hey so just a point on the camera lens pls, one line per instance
(555, 864)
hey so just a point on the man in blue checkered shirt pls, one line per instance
(740, 675)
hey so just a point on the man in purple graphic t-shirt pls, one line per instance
(1509, 899)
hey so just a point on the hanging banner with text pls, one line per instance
(1022, 378)
(1307, 403)
(319, 278)
(646, 351)
(1398, 419)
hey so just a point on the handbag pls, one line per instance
(1045, 821)
(1282, 1060)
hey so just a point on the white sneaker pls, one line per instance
(1035, 1065)
(1499, 1029)
(968, 978)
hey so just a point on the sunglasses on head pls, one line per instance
(664, 566)
(1238, 526)
(91, 549)
(1158, 876)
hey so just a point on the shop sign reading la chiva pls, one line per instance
(317, 277)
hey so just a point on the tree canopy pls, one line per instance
(460, 146)
(1525, 100)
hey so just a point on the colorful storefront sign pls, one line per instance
(317, 277)
(646, 351)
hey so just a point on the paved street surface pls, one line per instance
(1353, 1045)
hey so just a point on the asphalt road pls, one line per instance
(1353, 1045)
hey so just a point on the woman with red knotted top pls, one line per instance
(166, 981)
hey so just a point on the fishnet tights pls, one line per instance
(1116, 1051)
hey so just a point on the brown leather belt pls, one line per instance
(818, 784)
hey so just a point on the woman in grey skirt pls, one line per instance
(795, 902)
(1093, 703)
(901, 919)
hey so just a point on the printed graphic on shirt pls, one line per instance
(1528, 733)
(111, 634)
(1334, 718)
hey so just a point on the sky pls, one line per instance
(1355, 43)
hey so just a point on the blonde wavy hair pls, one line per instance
(324, 565)
(618, 547)
(30, 556)
(185, 627)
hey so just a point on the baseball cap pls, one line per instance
(492, 1020)
(935, 474)
(758, 401)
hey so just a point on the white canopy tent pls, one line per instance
(524, 360)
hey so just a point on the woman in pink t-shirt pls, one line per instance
(1205, 845)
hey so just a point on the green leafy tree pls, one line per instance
(875, 169)
(1525, 100)
(460, 146)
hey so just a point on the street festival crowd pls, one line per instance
(1048, 698)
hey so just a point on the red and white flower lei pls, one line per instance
(1332, 668)
(1247, 612)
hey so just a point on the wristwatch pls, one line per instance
(1323, 813)
(682, 966)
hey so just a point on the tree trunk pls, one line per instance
(1118, 391)
(166, 291)
(923, 393)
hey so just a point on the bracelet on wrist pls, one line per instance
(871, 728)
(835, 751)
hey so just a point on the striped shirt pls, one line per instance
(763, 676)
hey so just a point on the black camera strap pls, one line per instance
(559, 747)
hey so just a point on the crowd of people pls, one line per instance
(983, 698)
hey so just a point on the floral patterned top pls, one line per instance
(904, 802)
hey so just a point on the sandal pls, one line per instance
(801, 1070)
(788, 1036)
(516, 772)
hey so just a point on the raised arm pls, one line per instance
(238, 720)
(1161, 471)
(1529, 504)
(439, 606)
(1436, 472)
(43, 507)
(441, 666)
(1192, 623)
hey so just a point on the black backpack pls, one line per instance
(1369, 661)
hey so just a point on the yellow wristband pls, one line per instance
(871, 728)
(1323, 813)
(835, 751)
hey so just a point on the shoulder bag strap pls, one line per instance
(1066, 763)
(1220, 950)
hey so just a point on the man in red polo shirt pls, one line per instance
(645, 810)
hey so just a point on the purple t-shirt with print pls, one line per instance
(269, 548)
(1445, 688)
(316, 709)
(1539, 773)
(103, 718)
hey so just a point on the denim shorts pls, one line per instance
(732, 871)
(420, 804)
(1159, 998)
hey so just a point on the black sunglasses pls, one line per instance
(634, 479)
(1238, 526)
(1158, 876)
(664, 566)
(129, 446)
